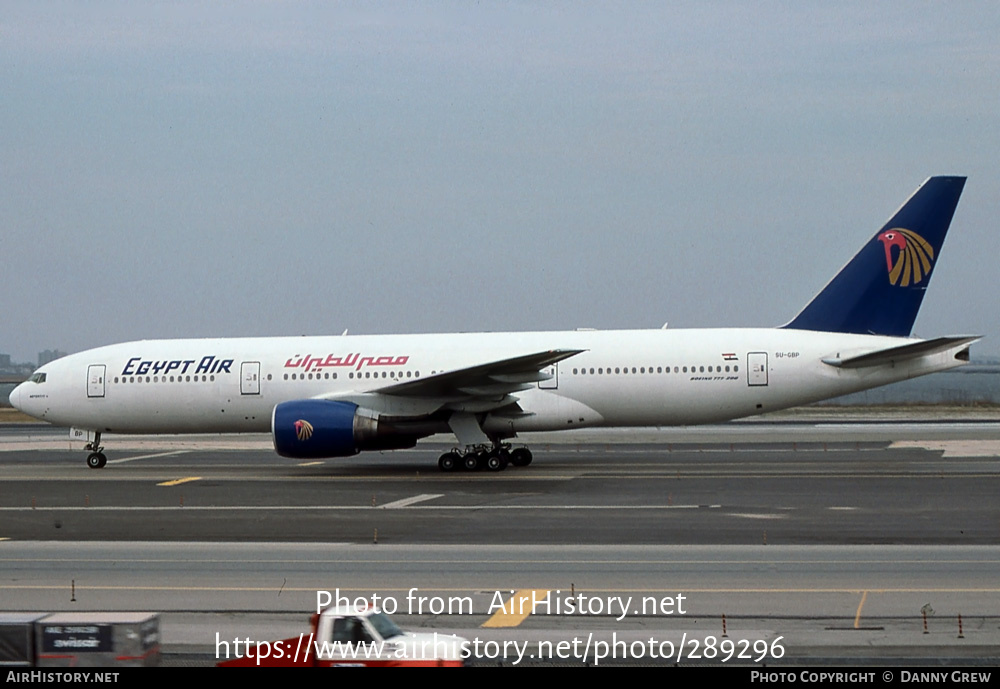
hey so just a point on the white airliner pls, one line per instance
(337, 396)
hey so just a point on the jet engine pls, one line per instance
(314, 429)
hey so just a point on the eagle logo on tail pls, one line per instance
(914, 256)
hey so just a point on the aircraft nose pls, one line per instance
(15, 397)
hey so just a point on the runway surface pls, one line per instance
(769, 490)
(833, 537)
(818, 603)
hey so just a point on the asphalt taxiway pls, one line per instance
(837, 537)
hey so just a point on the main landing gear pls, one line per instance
(96, 458)
(477, 457)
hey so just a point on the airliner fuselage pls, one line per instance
(337, 396)
(618, 378)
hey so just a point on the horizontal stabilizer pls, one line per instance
(902, 353)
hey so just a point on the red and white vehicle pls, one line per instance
(355, 636)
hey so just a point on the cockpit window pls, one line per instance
(37, 378)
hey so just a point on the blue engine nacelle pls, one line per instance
(318, 428)
(314, 429)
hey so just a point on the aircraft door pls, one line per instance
(553, 382)
(95, 380)
(757, 368)
(250, 378)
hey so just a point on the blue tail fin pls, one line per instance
(880, 290)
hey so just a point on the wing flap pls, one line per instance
(495, 389)
(528, 377)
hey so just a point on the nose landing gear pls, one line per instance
(96, 458)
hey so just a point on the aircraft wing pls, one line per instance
(495, 378)
(902, 352)
(479, 388)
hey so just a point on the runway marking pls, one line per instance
(932, 473)
(748, 515)
(310, 464)
(190, 556)
(123, 460)
(953, 448)
(348, 508)
(177, 482)
(513, 612)
(130, 587)
(857, 617)
(406, 502)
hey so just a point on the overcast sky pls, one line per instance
(175, 169)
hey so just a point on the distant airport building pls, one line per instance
(4, 362)
(49, 355)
